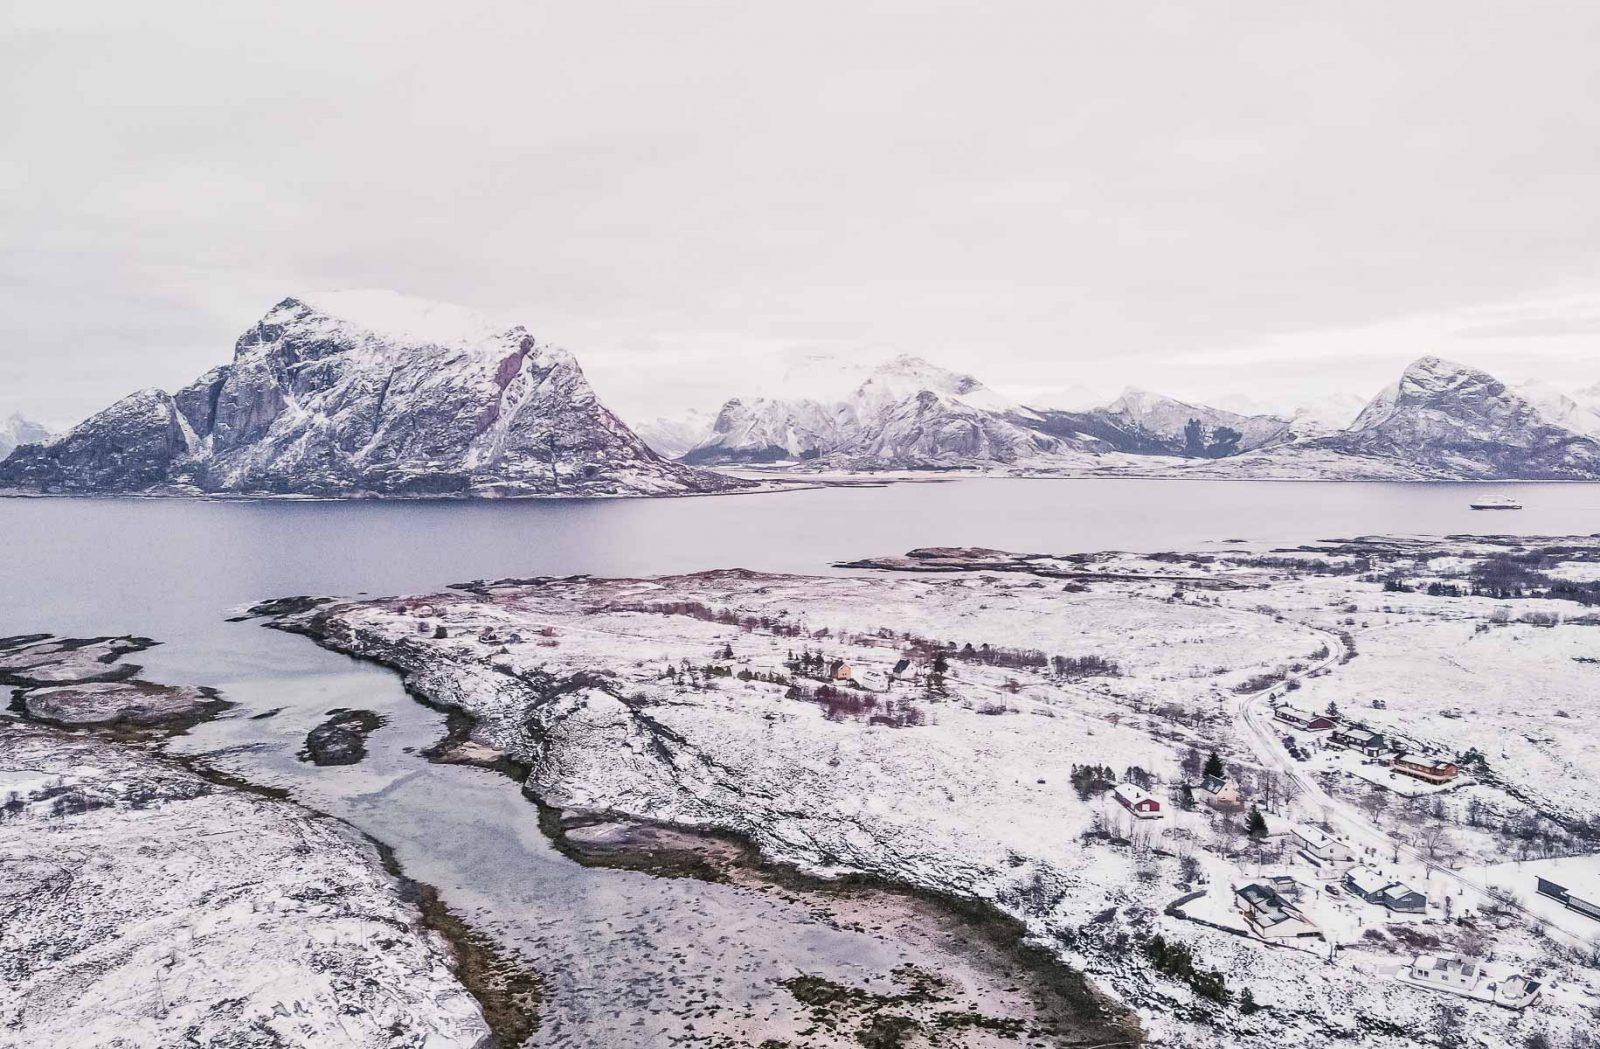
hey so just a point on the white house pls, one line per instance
(1323, 850)
(1456, 975)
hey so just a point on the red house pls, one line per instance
(1136, 801)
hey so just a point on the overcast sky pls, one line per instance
(1270, 198)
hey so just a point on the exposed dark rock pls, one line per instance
(342, 739)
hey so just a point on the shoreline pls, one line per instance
(507, 994)
(982, 933)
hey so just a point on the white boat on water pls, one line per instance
(1496, 504)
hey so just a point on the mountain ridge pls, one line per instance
(365, 394)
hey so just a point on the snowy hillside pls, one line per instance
(366, 393)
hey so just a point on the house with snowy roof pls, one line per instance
(1137, 801)
(1378, 888)
(1454, 974)
(1429, 770)
(1321, 849)
(1303, 719)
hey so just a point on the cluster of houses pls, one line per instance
(1364, 741)
(1335, 858)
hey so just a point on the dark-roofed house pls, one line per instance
(1269, 914)
(1218, 790)
(1359, 739)
(1400, 898)
(1565, 897)
(1377, 887)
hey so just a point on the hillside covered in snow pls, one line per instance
(365, 393)
(981, 725)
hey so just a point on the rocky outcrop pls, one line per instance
(366, 394)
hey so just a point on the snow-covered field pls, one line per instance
(141, 905)
(769, 706)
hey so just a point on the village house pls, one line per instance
(1303, 719)
(1218, 791)
(1137, 801)
(840, 671)
(1358, 739)
(1378, 888)
(1269, 915)
(1429, 770)
(1567, 899)
(1323, 850)
(1456, 975)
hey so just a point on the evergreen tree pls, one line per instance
(1256, 827)
(1214, 766)
(1247, 1002)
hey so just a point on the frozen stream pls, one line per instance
(628, 959)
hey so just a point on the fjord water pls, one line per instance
(628, 958)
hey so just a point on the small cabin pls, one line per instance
(1429, 770)
(1137, 801)
(840, 671)
(1303, 719)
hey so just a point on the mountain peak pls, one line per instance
(390, 316)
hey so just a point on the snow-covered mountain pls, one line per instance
(1191, 430)
(1438, 421)
(353, 393)
(672, 435)
(17, 431)
(906, 414)
(1450, 420)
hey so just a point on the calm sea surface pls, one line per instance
(627, 957)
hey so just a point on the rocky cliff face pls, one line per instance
(366, 393)
(1452, 421)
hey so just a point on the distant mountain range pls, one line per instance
(1438, 421)
(375, 394)
(17, 431)
(365, 393)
